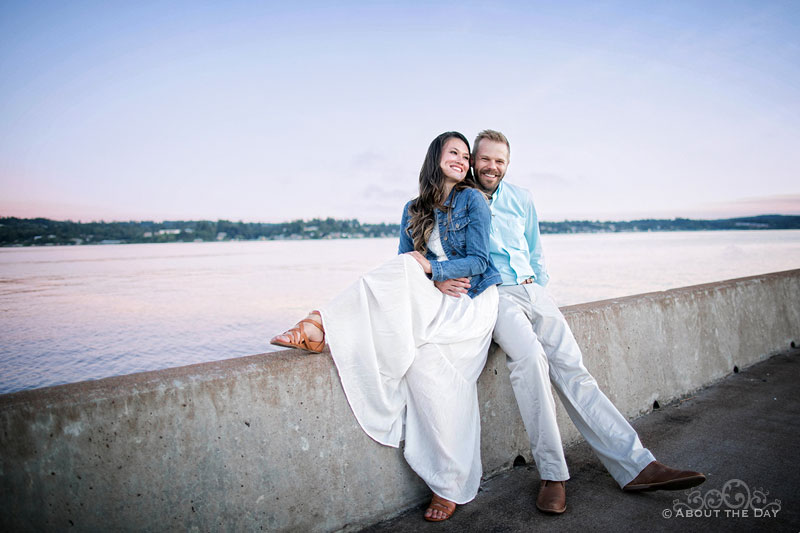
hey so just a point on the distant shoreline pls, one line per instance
(20, 232)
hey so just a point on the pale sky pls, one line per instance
(277, 111)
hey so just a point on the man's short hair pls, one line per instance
(491, 135)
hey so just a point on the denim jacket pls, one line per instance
(465, 241)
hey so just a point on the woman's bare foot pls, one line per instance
(439, 509)
(308, 334)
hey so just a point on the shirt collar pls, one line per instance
(497, 191)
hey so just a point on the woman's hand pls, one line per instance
(424, 263)
(453, 287)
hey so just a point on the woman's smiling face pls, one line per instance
(455, 160)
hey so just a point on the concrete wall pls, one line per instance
(268, 442)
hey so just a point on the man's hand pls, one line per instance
(422, 260)
(453, 287)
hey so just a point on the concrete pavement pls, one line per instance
(742, 432)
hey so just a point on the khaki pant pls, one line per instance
(542, 350)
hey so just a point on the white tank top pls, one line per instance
(435, 244)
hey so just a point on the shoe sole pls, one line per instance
(552, 511)
(673, 484)
(293, 346)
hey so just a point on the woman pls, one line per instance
(406, 352)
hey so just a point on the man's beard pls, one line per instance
(497, 181)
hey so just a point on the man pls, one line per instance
(542, 350)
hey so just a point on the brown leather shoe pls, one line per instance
(656, 476)
(552, 497)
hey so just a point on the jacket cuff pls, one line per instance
(437, 273)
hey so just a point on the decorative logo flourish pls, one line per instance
(734, 500)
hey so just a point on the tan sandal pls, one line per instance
(444, 506)
(298, 338)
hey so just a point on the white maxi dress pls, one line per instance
(409, 355)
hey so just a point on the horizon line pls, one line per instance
(164, 221)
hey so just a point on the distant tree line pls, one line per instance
(43, 231)
(677, 224)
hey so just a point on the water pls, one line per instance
(75, 313)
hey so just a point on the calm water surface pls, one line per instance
(85, 312)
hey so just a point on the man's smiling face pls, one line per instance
(490, 162)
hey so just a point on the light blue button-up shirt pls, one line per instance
(514, 242)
